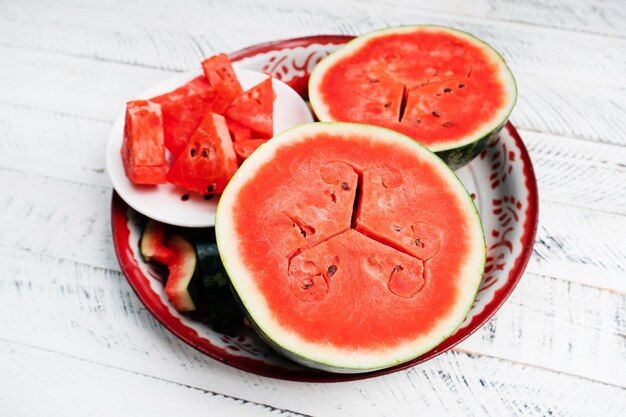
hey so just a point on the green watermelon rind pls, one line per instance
(257, 314)
(458, 153)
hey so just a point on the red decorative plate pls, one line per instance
(501, 179)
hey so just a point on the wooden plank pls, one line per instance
(143, 33)
(98, 90)
(580, 236)
(78, 308)
(546, 320)
(67, 386)
(602, 17)
(92, 314)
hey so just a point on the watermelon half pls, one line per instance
(351, 247)
(443, 87)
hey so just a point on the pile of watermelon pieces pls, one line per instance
(209, 125)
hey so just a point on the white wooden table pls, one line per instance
(76, 341)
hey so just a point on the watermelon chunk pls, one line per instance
(244, 148)
(222, 78)
(143, 150)
(184, 108)
(254, 108)
(238, 132)
(208, 161)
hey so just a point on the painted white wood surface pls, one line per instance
(75, 340)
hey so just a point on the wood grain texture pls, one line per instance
(605, 17)
(100, 390)
(71, 323)
(92, 315)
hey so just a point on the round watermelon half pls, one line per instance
(351, 247)
(443, 87)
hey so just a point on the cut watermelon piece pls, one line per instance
(208, 161)
(456, 91)
(255, 109)
(351, 247)
(244, 148)
(184, 108)
(143, 150)
(152, 243)
(238, 132)
(182, 266)
(222, 79)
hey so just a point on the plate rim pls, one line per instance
(134, 275)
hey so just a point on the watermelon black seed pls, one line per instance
(387, 105)
(185, 197)
(332, 269)
(447, 124)
(306, 284)
(418, 121)
(205, 153)
(397, 228)
(345, 186)
(436, 114)
(208, 196)
(447, 90)
(419, 243)
(461, 85)
(193, 153)
(210, 188)
(398, 268)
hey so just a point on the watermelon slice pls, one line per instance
(184, 108)
(222, 78)
(152, 243)
(143, 151)
(244, 148)
(255, 109)
(208, 161)
(444, 88)
(182, 267)
(351, 247)
(238, 132)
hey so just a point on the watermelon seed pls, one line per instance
(193, 153)
(208, 196)
(419, 243)
(398, 268)
(418, 121)
(387, 105)
(210, 188)
(436, 114)
(447, 90)
(397, 228)
(185, 197)
(333, 197)
(205, 153)
(332, 269)
(307, 283)
(447, 124)
(461, 85)
(345, 186)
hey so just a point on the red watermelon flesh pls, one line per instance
(370, 250)
(238, 132)
(457, 89)
(219, 72)
(254, 109)
(208, 161)
(184, 108)
(244, 148)
(143, 150)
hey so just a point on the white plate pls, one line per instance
(163, 202)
